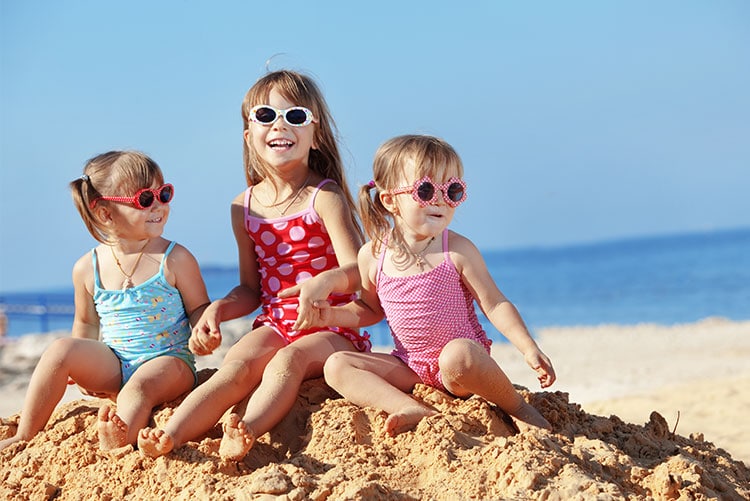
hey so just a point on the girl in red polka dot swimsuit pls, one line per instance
(424, 279)
(297, 237)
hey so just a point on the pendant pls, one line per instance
(127, 284)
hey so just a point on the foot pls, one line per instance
(153, 442)
(9, 441)
(528, 418)
(237, 439)
(113, 432)
(406, 419)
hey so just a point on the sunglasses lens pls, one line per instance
(265, 115)
(146, 198)
(166, 194)
(296, 117)
(455, 192)
(425, 191)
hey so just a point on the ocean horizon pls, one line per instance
(668, 279)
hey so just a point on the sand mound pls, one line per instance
(329, 449)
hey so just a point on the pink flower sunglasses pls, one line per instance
(424, 191)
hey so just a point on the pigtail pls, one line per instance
(84, 193)
(374, 216)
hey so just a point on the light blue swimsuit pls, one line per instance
(143, 322)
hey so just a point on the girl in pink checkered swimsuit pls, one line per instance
(436, 301)
(424, 279)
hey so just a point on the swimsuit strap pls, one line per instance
(317, 189)
(164, 259)
(445, 244)
(247, 201)
(381, 259)
(97, 280)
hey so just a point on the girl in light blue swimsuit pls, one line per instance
(143, 322)
(136, 295)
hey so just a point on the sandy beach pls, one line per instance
(637, 411)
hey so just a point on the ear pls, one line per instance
(389, 202)
(102, 214)
(248, 138)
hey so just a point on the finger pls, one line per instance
(289, 292)
(321, 303)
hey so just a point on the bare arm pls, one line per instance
(242, 299)
(359, 313)
(335, 213)
(182, 270)
(86, 319)
(498, 309)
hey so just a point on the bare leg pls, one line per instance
(155, 382)
(278, 390)
(388, 382)
(236, 378)
(467, 369)
(65, 358)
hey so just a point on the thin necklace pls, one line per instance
(128, 283)
(294, 198)
(419, 256)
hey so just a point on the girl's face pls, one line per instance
(420, 220)
(127, 222)
(280, 144)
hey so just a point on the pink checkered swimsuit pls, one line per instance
(425, 312)
(290, 250)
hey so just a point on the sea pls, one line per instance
(666, 280)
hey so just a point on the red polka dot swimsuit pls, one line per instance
(290, 250)
(427, 310)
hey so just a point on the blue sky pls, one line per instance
(577, 121)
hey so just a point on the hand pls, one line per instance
(542, 366)
(206, 335)
(90, 393)
(313, 302)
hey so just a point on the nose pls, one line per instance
(279, 123)
(439, 197)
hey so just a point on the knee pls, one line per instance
(335, 368)
(460, 358)
(59, 350)
(288, 362)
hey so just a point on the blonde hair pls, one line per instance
(115, 173)
(301, 90)
(431, 156)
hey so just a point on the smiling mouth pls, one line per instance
(280, 144)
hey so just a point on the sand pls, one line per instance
(638, 412)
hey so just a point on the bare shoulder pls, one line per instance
(365, 254)
(83, 271)
(366, 261)
(463, 252)
(240, 198)
(330, 197)
(180, 253)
